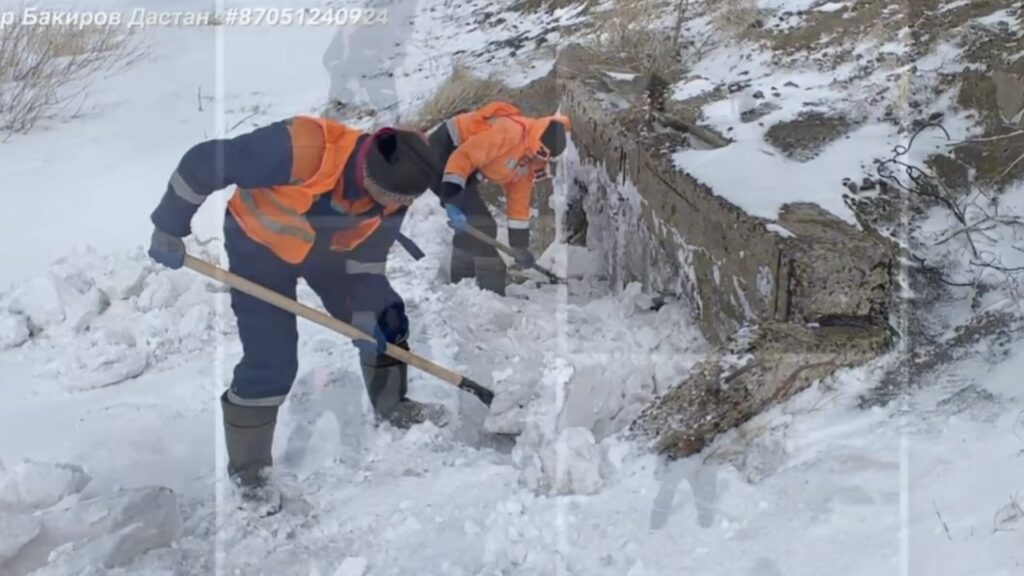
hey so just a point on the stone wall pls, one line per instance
(789, 301)
(662, 227)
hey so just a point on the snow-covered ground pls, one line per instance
(111, 367)
(877, 83)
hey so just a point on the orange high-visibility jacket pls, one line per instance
(275, 216)
(501, 144)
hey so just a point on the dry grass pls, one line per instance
(462, 90)
(650, 36)
(631, 33)
(736, 18)
(45, 70)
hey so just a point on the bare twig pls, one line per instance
(681, 6)
(255, 110)
(942, 520)
(991, 138)
(45, 71)
(977, 213)
(1011, 166)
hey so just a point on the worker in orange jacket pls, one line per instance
(314, 199)
(496, 143)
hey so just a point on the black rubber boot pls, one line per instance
(491, 274)
(462, 265)
(387, 381)
(249, 436)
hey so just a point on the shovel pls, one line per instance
(269, 296)
(552, 277)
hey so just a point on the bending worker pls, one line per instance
(499, 144)
(314, 199)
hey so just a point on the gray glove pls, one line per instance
(167, 249)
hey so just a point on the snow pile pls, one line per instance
(122, 312)
(561, 374)
(42, 525)
(101, 533)
(31, 486)
(570, 463)
(17, 530)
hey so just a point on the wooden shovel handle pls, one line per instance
(269, 296)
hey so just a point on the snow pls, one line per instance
(13, 331)
(848, 77)
(104, 532)
(352, 567)
(831, 6)
(1006, 16)
(118, 380)
(781, 231)
(17, 530)
(31, 486)
(769, 181)
(692, 88)
(620, 75)
(950, 6)
(786, 5)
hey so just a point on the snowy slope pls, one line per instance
(126, 360)
(870, 74)
(815, 484)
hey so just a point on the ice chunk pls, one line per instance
(16, 530)
(160, 291)
(526, 457)
(572, 464)
(122, 281)
(84, 310)
(102, 532)
(39, 300)
(13, 331)
(32, 486)
(613, 456)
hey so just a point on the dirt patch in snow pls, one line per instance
(792, 32)
(546, 5)
(802, 138)
(757, 369)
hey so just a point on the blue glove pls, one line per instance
(524, 258)
(377, 347)
(456, 217)
(167, 249)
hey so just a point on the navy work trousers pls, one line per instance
(269, 334)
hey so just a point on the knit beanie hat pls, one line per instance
(399, 166)
(553, 138)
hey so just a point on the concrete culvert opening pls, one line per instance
(789, 301)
